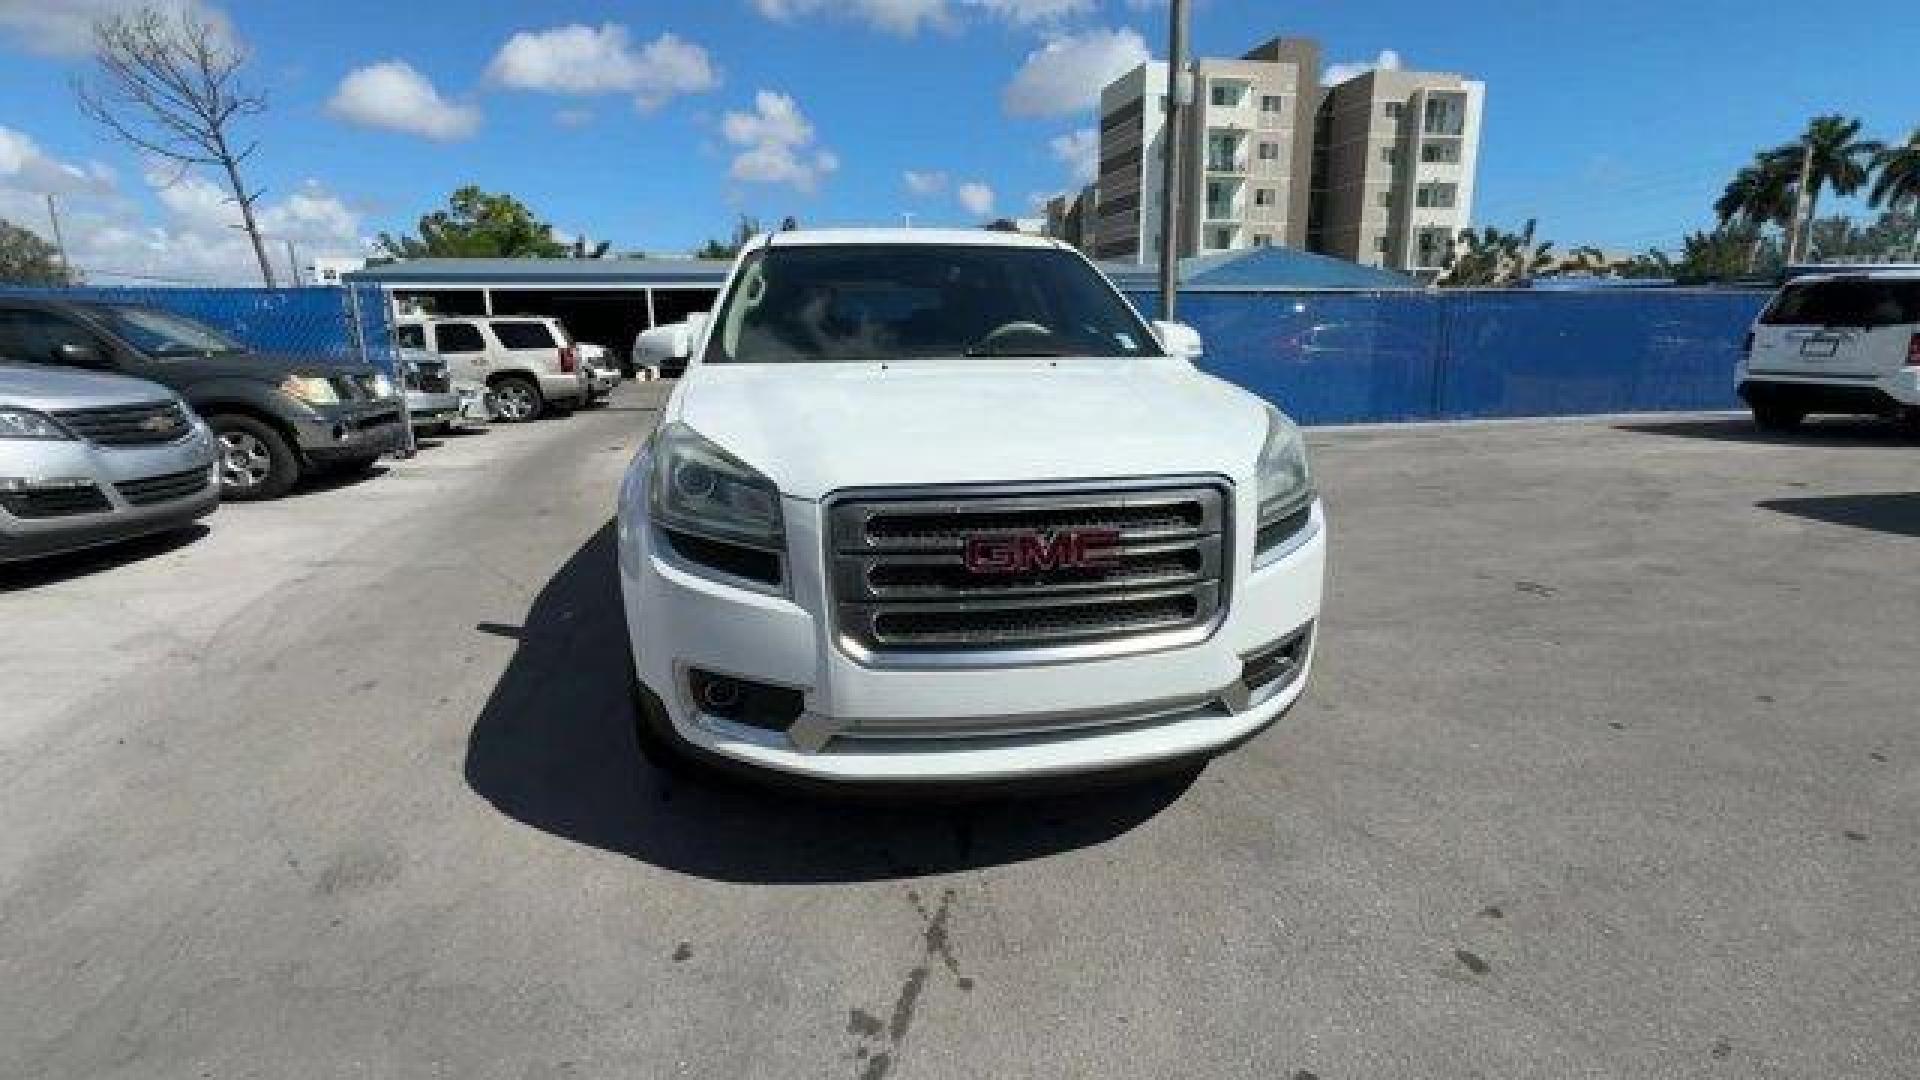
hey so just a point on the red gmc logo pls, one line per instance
(1014, 553)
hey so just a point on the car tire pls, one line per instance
(517, 400)
(255, 460)
(1773, 416)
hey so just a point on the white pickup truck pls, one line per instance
(938, 506)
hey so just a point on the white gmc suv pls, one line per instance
(1836, 343)
(939, 506)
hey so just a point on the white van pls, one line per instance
(529, 363)
(1836, 343)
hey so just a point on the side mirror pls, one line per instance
(77, 354)
(1178, 339)
(687, 334)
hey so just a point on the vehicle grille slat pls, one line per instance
(55, 502)
(128, 425)
(901, 583)
(159, 489)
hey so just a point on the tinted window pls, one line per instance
(898, 301)
(1846, 303)
(458, 337)
(523, 335)
(162, 333)
(411, 337)
(32, 336)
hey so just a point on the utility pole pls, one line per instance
(59, 239)
(293, 266)
(1795, 244)
(1179, 89)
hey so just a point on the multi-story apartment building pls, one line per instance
(1394, 166)
(1249, 141)
(1378, 169)
(1070, 217)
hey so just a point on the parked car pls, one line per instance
(939, 506)
(89, 459)
(1836, 343)
(661, 352)
(602, 373)
(277, 418)
(433, 406)
(529, 364)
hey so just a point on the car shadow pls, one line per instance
(77, 564)
(1817, 431)
(466, 432)
(333, 480)
(1896, 512)
(554, 748)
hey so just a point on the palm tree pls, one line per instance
(1836, 157)
(1897, 180)
(1759, 195)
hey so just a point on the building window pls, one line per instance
(1263, 196)
(1440, 151)
(1393, 109)
(1385, 198)
(1390, 155)
(1431, 245)
(1272, 103)
(1446, 115)
(1221, 238)
(1226, 95)
(1269, 151)
(1261, 239)
(1380, 245)
(1437, 196)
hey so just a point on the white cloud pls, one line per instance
(975, 198)
(65, 27)
(27, 168)
(903, 17)
(1028, 12)
(1067, 73)
(776, 144)
(581, 59)
(925, 183)
(1388, 60)
(1079, 151)
(394, 96)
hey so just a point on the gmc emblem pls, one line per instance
(1022, 552)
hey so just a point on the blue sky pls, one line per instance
(652, 124)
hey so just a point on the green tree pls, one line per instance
(477, 225)
(1836, 158)
(744, 230)
(1492, 257)
(1759, 195)
(1896, 183)
(1725, 254)
(26, 259)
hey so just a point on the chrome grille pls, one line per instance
(901, 584)
(128, 425)
(164, 488)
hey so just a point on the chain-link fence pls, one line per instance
(350, 322)
(1360, 357)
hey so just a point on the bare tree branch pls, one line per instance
(166, 82)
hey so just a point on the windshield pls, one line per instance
(158, 333)
(865, 302)
(1882, 302)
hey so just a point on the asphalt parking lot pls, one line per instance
(1609, 769)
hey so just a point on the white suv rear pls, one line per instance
(529, 363)
(1836, 343)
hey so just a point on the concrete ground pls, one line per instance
(1610, 769)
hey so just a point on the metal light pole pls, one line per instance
(60, 240)
(1179, 88)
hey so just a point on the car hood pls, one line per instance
(54, 388)
(253, 365)
(817, 428)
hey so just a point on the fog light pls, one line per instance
(1277, 663)
(743, 701)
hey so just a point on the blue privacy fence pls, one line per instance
(1358, 357)
(332, 323)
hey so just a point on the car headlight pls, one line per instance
(1286, 484)
(310, 389)
(382, 386)
(27, 424)
(716, 509)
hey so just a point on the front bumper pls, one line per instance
(430, 409)
(106, 469)
(350, 430)
(890, 724)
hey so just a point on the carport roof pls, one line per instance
(546, 273)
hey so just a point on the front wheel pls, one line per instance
(255, 460)
(517, 400)
(1773, 416)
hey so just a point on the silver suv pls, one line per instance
(89, 459)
